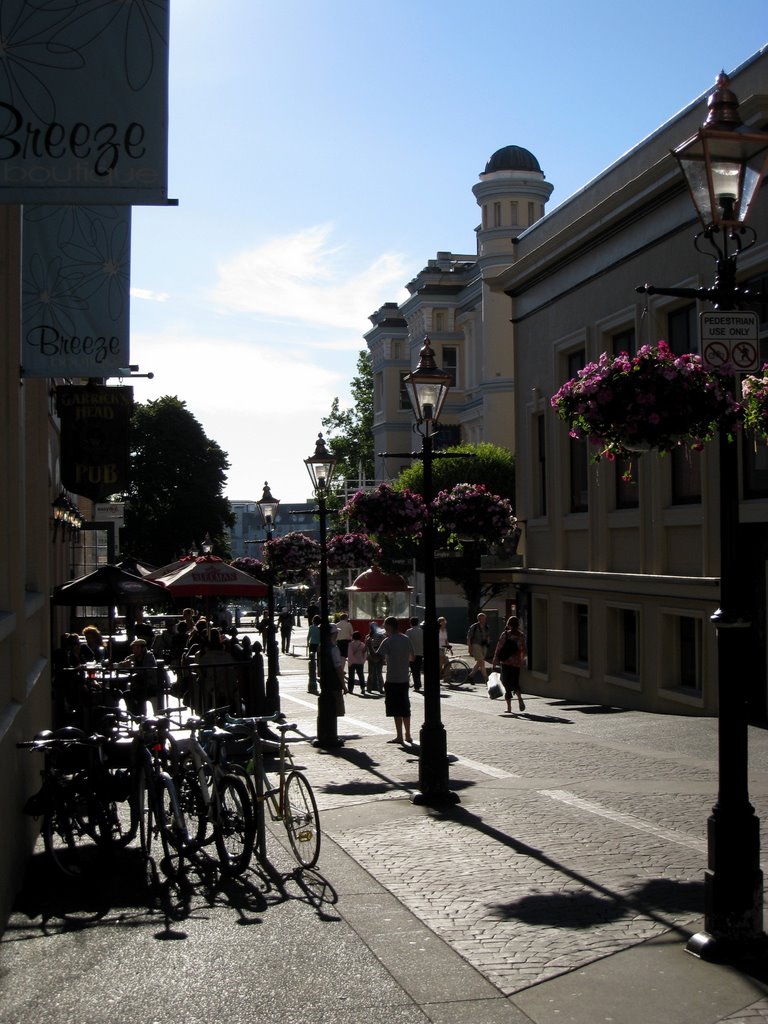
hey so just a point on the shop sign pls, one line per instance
(95, 422)
(75, 279)
(84, 101)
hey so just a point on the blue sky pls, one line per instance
(323, 150)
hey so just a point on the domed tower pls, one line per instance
(511, 194)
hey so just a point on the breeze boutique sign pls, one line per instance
(84, 101)
(75, 282)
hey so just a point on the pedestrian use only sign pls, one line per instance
(729, 337)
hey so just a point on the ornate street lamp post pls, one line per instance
(724, 167)
(321, 467)
(428, 388)
(268, 506)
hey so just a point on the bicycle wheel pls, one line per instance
(67, 832)
(174, 837)
(457, 672)
(302, 822)
(194, 801)
(235, 830)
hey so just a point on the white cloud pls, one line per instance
(261, 403)
(149, 295)
(301, 277)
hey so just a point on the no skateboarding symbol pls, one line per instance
(730, 337)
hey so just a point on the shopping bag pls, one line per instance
(495, 689)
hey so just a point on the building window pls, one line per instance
(438, 320)
(682, 335)
(514, 213)
(627, 486)
(623, 643)
(576, 634)
(755, 467)
(686, 476)
(497, 215)
(683, 641)
(624, 341)
(578, 462)
(538, 657)
(531, 212)
(540, 462)
(451, 362)
(405, 402)
(397, 350)
(447, 435)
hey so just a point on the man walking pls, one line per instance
(397, 652)
(478, 639)
(416, 635)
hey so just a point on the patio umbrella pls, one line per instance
(171, 567)
(210, 576)
(142, 569)
(108, 586)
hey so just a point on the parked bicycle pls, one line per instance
(288, 796)
(456, 673)
(77, 799)
(212, 795)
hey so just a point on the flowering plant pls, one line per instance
(292, 554)
(387, 512)
(252, 566)
(472, 510)
(655, 400)
(352, 551)
(755, 403)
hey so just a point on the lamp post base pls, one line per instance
(327, 728)
(433, 769)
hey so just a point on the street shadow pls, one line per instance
(588, 709)
(544, 719)
(591, 902)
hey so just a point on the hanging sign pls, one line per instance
(95, 421)
(75, 281)
(84, 102)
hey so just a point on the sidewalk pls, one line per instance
(561, 889)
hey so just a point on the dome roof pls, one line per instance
(374, 581)
(512, 158)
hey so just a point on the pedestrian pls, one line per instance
(339, 682)
(416, 635)
(510, 655)
(346, 630)
(443, 643)
(313, 644)
(355, 660)
(372, 642)
(285, 621)
(478, 639)
(397, 653)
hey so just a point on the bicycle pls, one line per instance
(158, 808)
(71, 799)
(211, 795)
(456, 673)
(291, 800)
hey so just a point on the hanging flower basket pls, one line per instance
(386, 512)
(252, 566)
(472, 511)
(755, 402)
(291, 555)
(352, 551)
(656, 400)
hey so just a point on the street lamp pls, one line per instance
(268, 506)
(724, 167)
(321, 467)
(427, 388)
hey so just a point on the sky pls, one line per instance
(322, 151)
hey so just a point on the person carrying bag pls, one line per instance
(510, 655)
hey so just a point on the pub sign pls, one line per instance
(95, 422)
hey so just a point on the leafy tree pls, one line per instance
(177, 476)
(483, 463)
(350, 431)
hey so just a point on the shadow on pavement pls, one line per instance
(126, 891)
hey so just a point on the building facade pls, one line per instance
(620, 575)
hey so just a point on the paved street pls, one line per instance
(561, 888)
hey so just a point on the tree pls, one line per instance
(177, 475)
(483, 463)
(350, 431)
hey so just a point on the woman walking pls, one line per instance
(510, 654)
